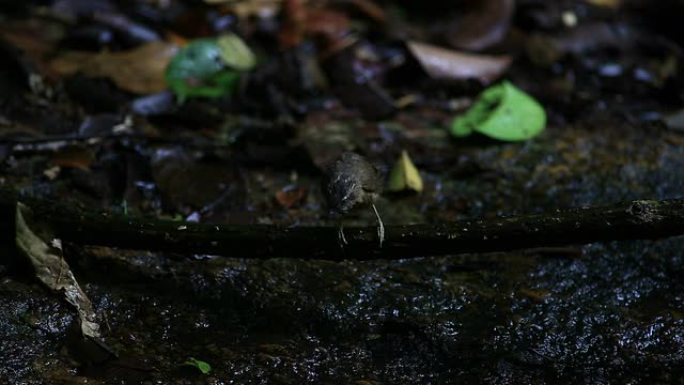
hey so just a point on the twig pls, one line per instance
(56, 143)
(643, 219)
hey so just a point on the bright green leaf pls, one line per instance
(203, 367)
(199, 70)
(405, 176)
(235, 53)
(502, 112)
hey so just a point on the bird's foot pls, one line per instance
(341, 237)
(381, 226)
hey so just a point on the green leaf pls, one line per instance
(199, 70)
(502, 112)
(235, 53)
(202, 366)
(404, 175)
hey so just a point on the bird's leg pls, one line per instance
(340, 234)
(381, 226)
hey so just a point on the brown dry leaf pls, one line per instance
(605, 3)
(36, 38)
(441, 63)
(369, 9)
(329, 27)
(28, 36)
(140, 70)
(327, 24)
(74, 157)
(186, 181)
(485, 25)
(45, 255)
(292, 30)
(533, 294)
(245, 9)
(326, 136)
(290, 196)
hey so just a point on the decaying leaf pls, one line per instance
(485, 25)
(185, 181)
(290, 196)
(36, 37)
(606, 3)
(405, 176)
(292, 29)
(53, 271)
(355, 82)
(140, 70)
(328, 26)
(367, 8)
(441, 63)
(74, 157)
(326, 139)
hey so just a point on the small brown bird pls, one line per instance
(352, 180)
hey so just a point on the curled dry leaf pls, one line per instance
(53, 271)
(73, 157)
(613, 4)
(294, 18)
(35, 37)
(366, 8)
(485, 25)
(326, 139)
(290, 196)
(355, 77)
(329, 27)
(441, 63)
(140, 70)
(186, 181)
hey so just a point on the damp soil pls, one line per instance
(599, 313)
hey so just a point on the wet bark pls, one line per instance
(642, 219)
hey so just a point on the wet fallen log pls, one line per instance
(641, 219)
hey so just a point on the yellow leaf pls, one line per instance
(405, 175)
